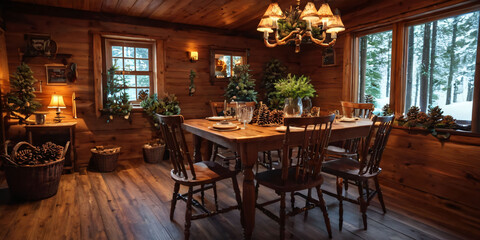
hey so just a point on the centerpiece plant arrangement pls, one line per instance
(274, 71)
(117, 100)
(241, 86)
(20, 101)
(293, 89)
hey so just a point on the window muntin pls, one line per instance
(134, 62)
(440, 66)
(224, 64)
(374, 60)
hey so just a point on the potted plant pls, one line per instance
(34, 172)
(293, 89)
(117, 103)
(169, 105)
(241, 87)
(21, 100)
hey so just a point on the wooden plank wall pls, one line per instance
(435, 180)
(73, 36)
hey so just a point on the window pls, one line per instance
(134, 63)
(374, 53)
(223, 61)
(441, 65)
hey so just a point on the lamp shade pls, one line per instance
(325, 13)
(274, 12)
(57, 102)
(310, 13)
(265, 25)
(335, 25)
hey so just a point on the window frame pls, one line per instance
(399, 60)
(245, 53)
(159, 57)
(109, 42)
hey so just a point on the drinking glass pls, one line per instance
(307, 106)
(245, 114)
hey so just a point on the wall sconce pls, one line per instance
(193, 56)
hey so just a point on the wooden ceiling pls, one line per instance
(241, 15)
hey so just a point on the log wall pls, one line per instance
(74, 36)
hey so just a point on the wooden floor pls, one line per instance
(134, 203)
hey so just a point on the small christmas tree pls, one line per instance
(20, 100)
(274, 70)
(117, 102)
(241, 87)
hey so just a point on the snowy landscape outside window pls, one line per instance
(134, 63)
(441, 65)
(374, 68)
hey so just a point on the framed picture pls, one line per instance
(56, 74)
(328, 57)
(40, 45)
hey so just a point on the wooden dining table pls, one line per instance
(248, 142)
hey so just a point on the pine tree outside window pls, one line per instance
(374, 58)
(441, 62)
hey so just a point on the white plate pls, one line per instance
(224, 126)
(345, 119)
(292, 129)
(218, 118)
(225, 130)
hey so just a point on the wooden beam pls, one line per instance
(97, 72)
(348, 84)
(17, 7)
(397, 86)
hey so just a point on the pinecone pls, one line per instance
(276, 117)
(447, 122)
(412, 116)
(264, 116)
(435, 114)
(24, 157)
(255, 116)
(422, 117)
(51, 151)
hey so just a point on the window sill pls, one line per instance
(439, 130)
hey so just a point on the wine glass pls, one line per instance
(307, 106)
(245, 114)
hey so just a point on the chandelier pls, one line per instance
(297, 26)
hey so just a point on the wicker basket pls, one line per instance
(153, 154)
(33, 182)
(105, 161)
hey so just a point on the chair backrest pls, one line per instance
(372, 154)
(171, 129)
(312, 138)
(363, 110)
(217, 107)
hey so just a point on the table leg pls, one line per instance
(248, 154)
(197, 152)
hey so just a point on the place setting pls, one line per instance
(234, 114)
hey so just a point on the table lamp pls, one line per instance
(57, 102)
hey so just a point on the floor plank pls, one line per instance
(133, 202)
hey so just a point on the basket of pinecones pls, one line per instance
(105, 157)
(33, 172)
(153, 151)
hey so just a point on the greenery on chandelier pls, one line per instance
(116, 103)
(295, 87)
(241, 86)
(274, 71)
(292, 21)
(21, 100)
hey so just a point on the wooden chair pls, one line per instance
(203, 174)
(304, 174)
(360, 172)
(217, 108)
(349, 148)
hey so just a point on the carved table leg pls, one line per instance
(248, 154)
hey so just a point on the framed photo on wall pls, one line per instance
(328, 57)
(56, 74)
